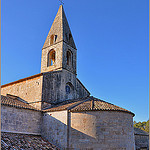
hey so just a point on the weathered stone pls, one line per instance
(20, 120)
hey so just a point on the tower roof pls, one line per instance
(60, 29)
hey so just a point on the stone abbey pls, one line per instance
(55, 106)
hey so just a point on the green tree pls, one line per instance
(142, 125)
(147, 126)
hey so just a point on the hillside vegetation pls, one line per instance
(142, 125)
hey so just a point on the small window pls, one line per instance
(52, 39)
(69, 88)
(51, 58)
(55, 38)
(70, 37)
(69, 58)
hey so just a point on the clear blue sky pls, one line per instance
(111, 37)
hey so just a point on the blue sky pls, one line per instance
(111, 37)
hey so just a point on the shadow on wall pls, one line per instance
(61, 133)
(90, 130)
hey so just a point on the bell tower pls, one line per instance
(59, 50)
(58, 64)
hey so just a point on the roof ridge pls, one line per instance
(92, 102)
(89, 103)
(69, 108)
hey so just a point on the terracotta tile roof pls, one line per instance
(14, 102)
(82, 104)
(138, 131)
(87, 104)
(22, 141)
(65, 105)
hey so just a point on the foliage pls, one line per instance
(142, 125)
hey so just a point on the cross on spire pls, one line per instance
(61, 2)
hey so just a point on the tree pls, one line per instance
(147, 126)
(142, 125)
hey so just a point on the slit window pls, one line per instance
(70, 38)
(55, 38)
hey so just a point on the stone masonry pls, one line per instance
(18, 120)
(28, 89)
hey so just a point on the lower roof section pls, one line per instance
(24, 141)
(138, 131)
(86, 104)
(14, 101)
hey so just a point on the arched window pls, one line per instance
(51, 58)
(69, 58)
(69, 88)
(52, 39)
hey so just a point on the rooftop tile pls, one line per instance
(14, 141)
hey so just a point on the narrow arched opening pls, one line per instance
(51, 58)
(69, 58)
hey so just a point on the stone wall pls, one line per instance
(61, 31)
(101, 130)
(20, 120)
(54, 128)
(56, 29)
(54, 87)
(94, 130)
(48, 87)
(141, 141)
(71, 68)
(58, 58)
(29, 90)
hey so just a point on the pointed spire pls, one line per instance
(60, 30)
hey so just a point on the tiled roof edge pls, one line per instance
(141, 134)
(16, 132)
(103, 110)
(116, 106)
(69, 108)
(48, 110)
(20, 107)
